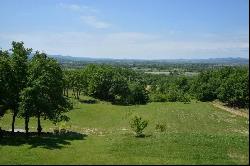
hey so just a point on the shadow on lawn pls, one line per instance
(45, 140)
(90, 101)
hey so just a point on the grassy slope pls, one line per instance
(197, 133)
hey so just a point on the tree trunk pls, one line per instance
(39, 128)
(27, 125)
(73, 93)
(77, 94)
(1, 134)
(67, 91)
(13, 121)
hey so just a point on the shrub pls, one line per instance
(61, 128)
(185, 98)
(138, 125)
(56, 130)
(158, 97)
(161, 127)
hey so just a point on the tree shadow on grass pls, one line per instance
(89, 101)
(45, 140)
(143, 136)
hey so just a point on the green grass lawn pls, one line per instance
(197, 133)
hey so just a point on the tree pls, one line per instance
(5, 80)
(119, 89)
(13, 77)
(66, 82)
(138, 125)
(100, 81)
(27, 105)
(235, 89)
(6, 76)
(138, 93)
(205, 86)
(78, 82)
(43, 96)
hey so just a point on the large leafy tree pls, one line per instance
(138, 93)
(78, 82)
(27, 105)
(205, 86)
(13, 77)
(43, 96)
(6, 76)
(235, 89)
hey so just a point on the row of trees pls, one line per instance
(126, 86)
(169, 88)
(31, 87)
(114, 84)
(229, 84)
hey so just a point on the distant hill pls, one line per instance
(230, 60)
(71, 58)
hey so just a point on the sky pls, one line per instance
(128, 29)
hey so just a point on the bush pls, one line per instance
(138, 125)
(56, 130)
(158, 97)
(185, 98)
(61, 128)
(161, 127)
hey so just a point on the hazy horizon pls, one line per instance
(142, 29)
(91, 57)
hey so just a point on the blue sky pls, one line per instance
(141, 29)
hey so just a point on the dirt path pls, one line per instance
(231, 110)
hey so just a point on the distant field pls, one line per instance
(197, 133)
(167, 73)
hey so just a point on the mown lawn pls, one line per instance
(197, 133)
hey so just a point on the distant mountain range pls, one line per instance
(229, 60)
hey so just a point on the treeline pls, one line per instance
(170, 88)
(31, 87)
(126, 86)
(114, 84)
(229, 84)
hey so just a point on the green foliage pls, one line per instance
(45, 81)
(138, 125)
(31, 88)
(158, 97)
(205, 86)
(235, 89)
(138, 94)
(104, 82)
(6, 76)
(171, 89)
(228, 84)
(13, 77)
(161, 127)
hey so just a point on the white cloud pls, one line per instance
(78, 8)
(87, 15)
(72, 7)
(94, 22)
(127, 45)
